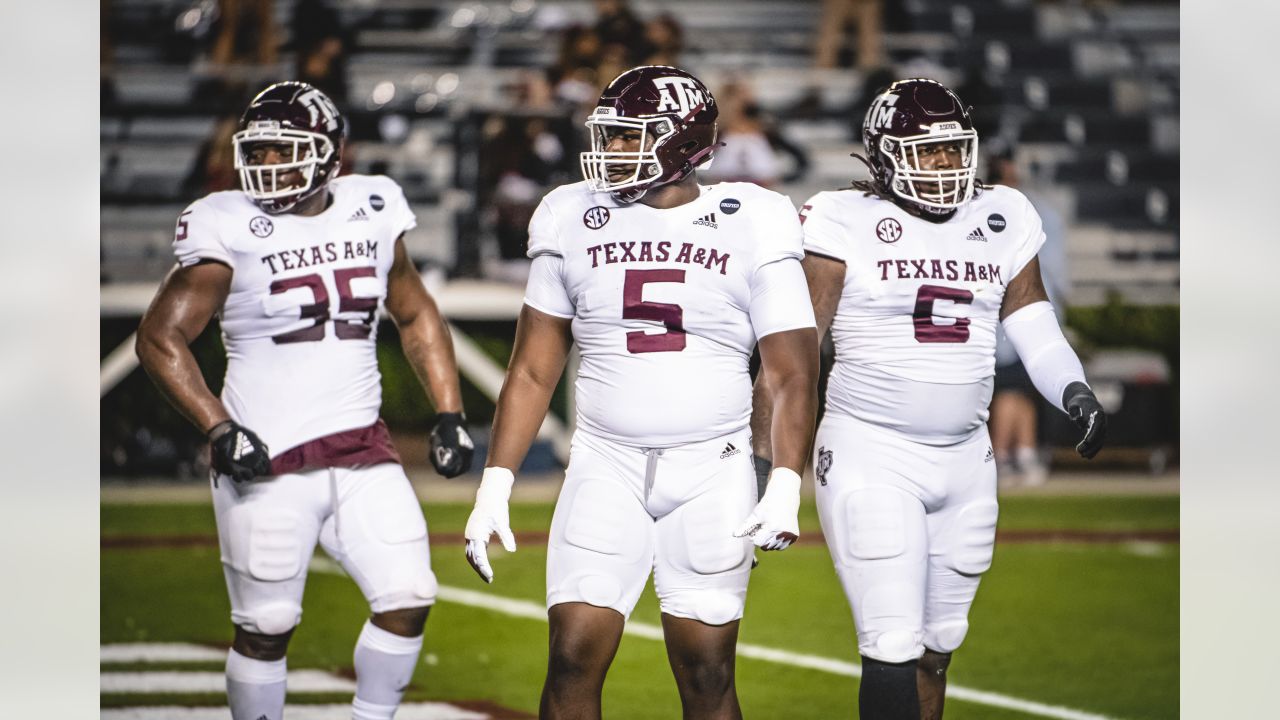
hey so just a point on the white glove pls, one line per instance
(490, 516)
(775, 523)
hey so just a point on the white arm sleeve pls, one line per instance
(780, 298)
(545, 291)
(1049, 359)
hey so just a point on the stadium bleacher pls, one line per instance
(1089, 98)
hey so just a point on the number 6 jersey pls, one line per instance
(915, 328)
(299, 323)
(667, 304)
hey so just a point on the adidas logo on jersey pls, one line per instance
(990, 455)
(978, 235)
(709, 220)
(729, 451)
(359, 214)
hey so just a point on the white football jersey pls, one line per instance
(299, 324)
(915, 328)
(667, 305)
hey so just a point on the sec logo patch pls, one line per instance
(729, 206)
(596, 217)
(376, 202)
(261, 226)
(996, 222)
(889, 230)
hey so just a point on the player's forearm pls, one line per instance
(522, 406)
(428, 346)
(173, 369)
(1049, 359)
(762, 419)
(794, 408)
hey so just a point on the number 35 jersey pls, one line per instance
(668, 304)
(299, 323)
(915, 327)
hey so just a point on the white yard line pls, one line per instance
(407, 711)
(537, 611)
(176, 681)
(159, 652)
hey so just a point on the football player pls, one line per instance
(296, 264)
(666, 286)
(912, 270)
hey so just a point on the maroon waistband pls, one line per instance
(362, 446)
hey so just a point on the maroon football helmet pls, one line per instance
(903, 118)
(675, 116)
(306, 130)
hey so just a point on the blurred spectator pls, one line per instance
(1015, 403)
(214, 167)
(836, 15)
(746, 155)
(573, 77)
(614, 60)
(663, 41)
(751, 140)
(619, 27)
(531, 91)
(520, 156)
(247, 33)
(320, 44)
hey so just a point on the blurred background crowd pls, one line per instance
(476, 109)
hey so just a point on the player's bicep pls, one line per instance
(1025, 288)
(825, 276)
(406, 295)
(541, 347)
(187, 299)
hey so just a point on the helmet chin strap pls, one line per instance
(924, 212)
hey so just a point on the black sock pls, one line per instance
(888, 691)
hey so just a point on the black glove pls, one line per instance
(763, 468)
(1083, 407)
(451, 446)
(238, 452)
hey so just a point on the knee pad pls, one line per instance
(420, 592)
(593, 588)
(946, 637)
(713, 607)
(892, 646)
(269, 619)
(974, 538)
(874, 525)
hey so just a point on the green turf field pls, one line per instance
(1076, 629)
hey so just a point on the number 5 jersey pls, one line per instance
(915, 328)
(299, 324)
(667, 304)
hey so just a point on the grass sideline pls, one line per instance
(1091, 626)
